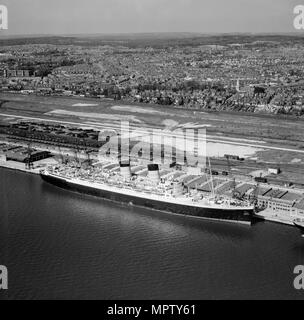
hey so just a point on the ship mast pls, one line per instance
(231, 174)
(211, 176)
(29, 162)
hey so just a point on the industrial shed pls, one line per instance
(24, 157)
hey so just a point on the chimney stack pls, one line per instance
(153, 173)
(125, 170)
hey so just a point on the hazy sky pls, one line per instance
(116, 16)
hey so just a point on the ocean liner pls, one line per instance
(117, 182)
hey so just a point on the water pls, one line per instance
(64, 245)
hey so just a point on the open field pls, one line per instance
(274, 129)
(266, 139)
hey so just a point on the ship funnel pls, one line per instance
(153, 173)
(125, 170)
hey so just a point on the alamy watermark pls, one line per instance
(298, 22)
(3, 278)
(183, 146)
(299, 280)
(3, 17)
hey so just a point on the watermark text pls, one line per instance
(299, 280)
(298, 22)
(3, 278)
(184, 146)
(3, 17)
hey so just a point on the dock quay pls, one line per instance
(270, 216)
(279, 204)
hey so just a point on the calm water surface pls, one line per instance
(61, 245)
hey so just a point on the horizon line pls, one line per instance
(196, 33)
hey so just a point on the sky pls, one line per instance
(133, 16)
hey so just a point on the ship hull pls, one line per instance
(232, 216)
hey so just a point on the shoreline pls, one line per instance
(274, 220)
(266, 217)
(16, 168)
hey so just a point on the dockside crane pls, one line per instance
(29, 163)
(78, 161)
(88, 153)
(211, 176)
(231, 175)
(255, 194)
(61, 155)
